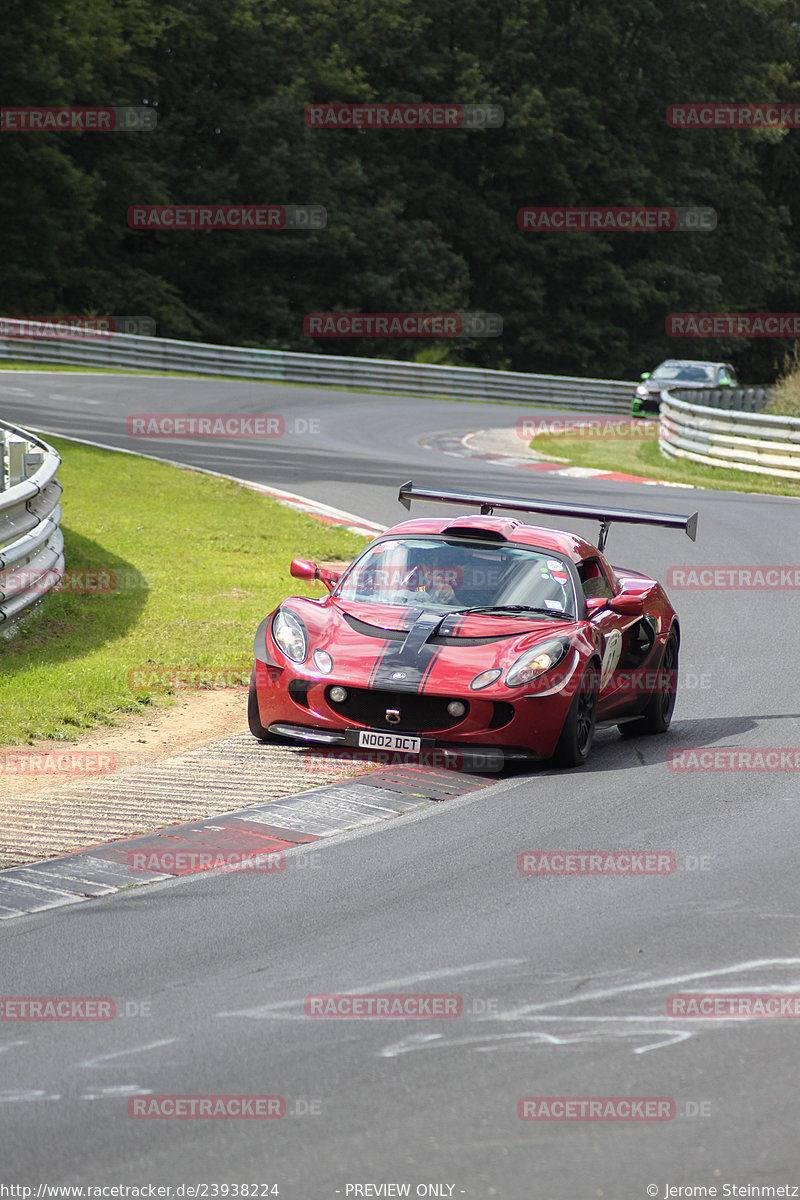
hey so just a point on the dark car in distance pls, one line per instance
(683, 374)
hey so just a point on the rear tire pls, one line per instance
(578, 732)
(657, 716)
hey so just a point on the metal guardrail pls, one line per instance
(31, 541)
(743, 441)
(750, 399)
(323, 370)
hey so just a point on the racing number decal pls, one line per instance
(611, 654)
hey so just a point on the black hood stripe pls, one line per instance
(427, 673)
(373, 673)
(404, 666)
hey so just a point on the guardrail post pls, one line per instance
(15, 448)
(32, 460)
(31, 541)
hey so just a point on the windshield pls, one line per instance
(436, 573)
(685, 372)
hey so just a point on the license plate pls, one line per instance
(375, 739)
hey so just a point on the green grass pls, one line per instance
(201, 561)
(785, 398)
(641, 456)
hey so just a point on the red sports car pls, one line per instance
(472, 641)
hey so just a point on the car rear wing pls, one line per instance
(606, 515)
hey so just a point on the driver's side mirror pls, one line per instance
(645, 375)
(628, 605)
(304, 568)
(625, 603)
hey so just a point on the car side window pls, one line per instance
(724, 377)
(595, 582)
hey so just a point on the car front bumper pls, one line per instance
(645, 404)
(299, 709)
(433, 753)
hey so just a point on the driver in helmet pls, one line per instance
(435, 574)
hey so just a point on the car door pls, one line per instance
(624, 641)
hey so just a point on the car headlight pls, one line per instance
(485, 679)
(536, 662)
(290, 635)
(323, 661)
(642, 391)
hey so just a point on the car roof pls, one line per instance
(691, 362)
(509, 530)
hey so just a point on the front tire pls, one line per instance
(657, 716)
(578, 732)
(253, 715)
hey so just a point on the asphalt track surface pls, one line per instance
(564, 980)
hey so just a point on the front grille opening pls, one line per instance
(503, 714)
(298, 691)
(367, 706)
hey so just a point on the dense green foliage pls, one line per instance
(417, 221)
